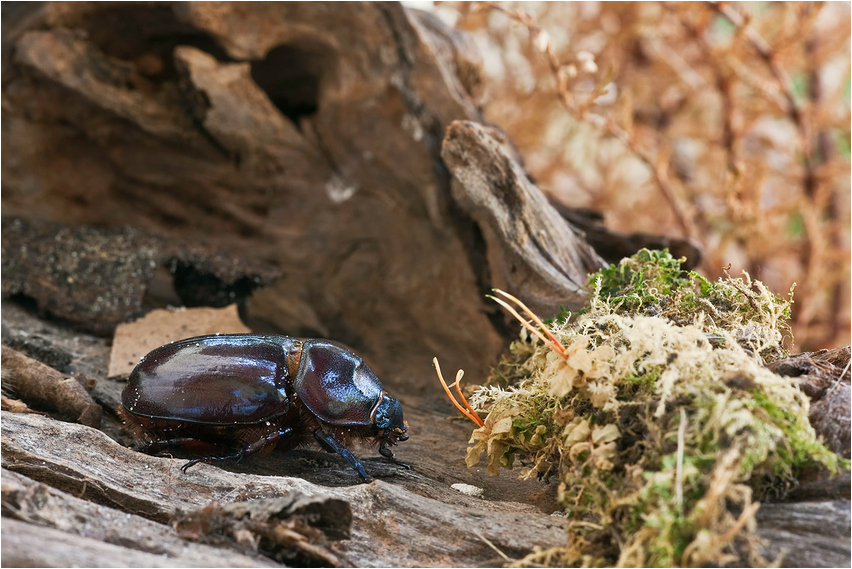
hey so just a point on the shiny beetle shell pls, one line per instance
(255, 391)
(221, 380)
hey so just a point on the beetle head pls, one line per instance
(387, 419)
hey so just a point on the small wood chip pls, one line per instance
(469, 490)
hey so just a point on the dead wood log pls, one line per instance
(29, 545)
(531, 248)
(392, 524)
(81, 471)
(308, 137)
(807, 534)
(96, 278)
(294, 133)
(825, 377)
(615, 245)
(47, 527)
(294, 529)
(297, 133)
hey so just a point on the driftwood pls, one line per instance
(327, 168)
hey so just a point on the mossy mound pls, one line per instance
(661, 423)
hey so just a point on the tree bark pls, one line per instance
(301, 134)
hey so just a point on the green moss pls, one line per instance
(662, 415)
(639, 383)
(651, 283)
(642, 283)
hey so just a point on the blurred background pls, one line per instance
(727, 124)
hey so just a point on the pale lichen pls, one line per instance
(656, 414)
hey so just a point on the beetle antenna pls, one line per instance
(467, 410)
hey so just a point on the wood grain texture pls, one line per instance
(394, 523)
(531, 247)
(292, 133)
(337, 150)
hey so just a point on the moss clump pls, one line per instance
(652, 283)
(660, 418)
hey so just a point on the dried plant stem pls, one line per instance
(466, 410)
(824, 153)
(527, 325)
(535, 319)
(681, 435)
(764, 50)
(459, 376)
(746, 515)
(810, 250)
(813, 157)
(657, 165)
(724, 86)
(487, 542)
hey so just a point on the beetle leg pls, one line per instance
(325, 446)
(388, 454)
(183, 443)
(256, 446)
(328, 442)
(235, 456)
(269, 439)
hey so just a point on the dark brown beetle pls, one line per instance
(249, 393)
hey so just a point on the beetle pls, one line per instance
(251, 393)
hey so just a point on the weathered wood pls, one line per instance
(614, 245)
(394, 523)
(47, 527)
(96, 278)
(403, 507)
(293, 529)
(43, 385)
(29, 545)
(297, 133)
(531, 248)
(808, 534)
(825, 377)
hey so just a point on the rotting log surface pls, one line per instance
(105, 505)
(303, 139)
(404, 518)
(306, 135)
(409, 519)
(393, 523)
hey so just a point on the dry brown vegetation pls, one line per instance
(728, 124)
